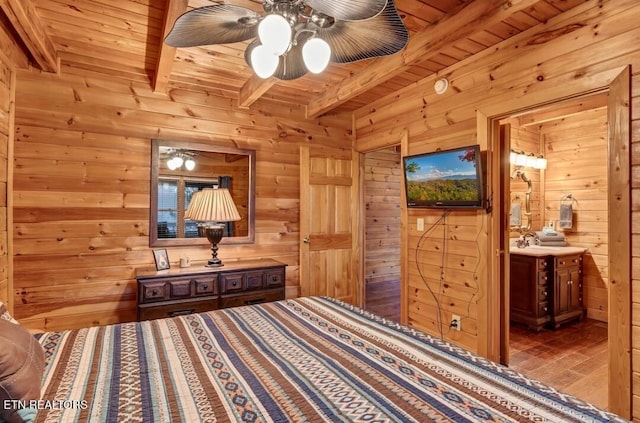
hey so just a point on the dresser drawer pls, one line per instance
(205, 286)
(179, 288)
(176, 308)
(256, 297)
(154, 291)
(274, 278)
(567, 261)
(231, 282)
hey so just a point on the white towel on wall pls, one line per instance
(566, 216)
(515, 217)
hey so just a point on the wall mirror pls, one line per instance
(178, 170)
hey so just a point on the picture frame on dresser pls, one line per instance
(161, 258)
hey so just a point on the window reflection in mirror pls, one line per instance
(198, 166)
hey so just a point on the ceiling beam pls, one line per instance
(167, 54)
(253, 89)
(24, 18)
(461, 23)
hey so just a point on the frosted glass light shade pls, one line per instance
(316, 53)
(264, 61)
(275, 34)
(171, 164)
(190, 164)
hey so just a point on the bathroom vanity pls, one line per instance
(546, 286)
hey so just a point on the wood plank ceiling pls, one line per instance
(123, 38)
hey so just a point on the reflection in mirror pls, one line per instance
(178, 171)
(518, 222)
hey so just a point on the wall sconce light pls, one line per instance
(522, 159)
(179, 158)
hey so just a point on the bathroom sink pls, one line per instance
(544, 250)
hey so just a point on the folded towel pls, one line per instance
(550, 243)
(566, 216)
(549, 231)
(516, 218)
(542, 237)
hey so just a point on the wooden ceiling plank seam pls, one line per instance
(462, 22)
(110, 9)
(28, 25)
(69, 30)
(167, 54)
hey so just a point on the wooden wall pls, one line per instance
(7, 97)
(82, 170)
(382, 188)
(573, 53)
(576, 150)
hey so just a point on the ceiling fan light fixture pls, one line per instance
(274, 33)
(171, 164)
(316, 53)
(264, 61)
(190, 164)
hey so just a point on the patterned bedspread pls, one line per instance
(303, 360)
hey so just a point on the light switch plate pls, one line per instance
(420, 224)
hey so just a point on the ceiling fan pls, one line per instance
(296, 36)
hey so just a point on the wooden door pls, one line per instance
(328, 217)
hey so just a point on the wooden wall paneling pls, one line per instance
(576, 152)
(505, 80)
(7, 102)
(82, 187)
(382, 187)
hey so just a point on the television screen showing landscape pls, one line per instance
(443, 178)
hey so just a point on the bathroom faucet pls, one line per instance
(523, 242)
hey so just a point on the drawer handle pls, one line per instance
(256, 301)
(234, 283)
(154, 292)
(544, 293)
(181, 312)
(205, 286)
(274, 278)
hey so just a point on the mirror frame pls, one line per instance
(154, 241)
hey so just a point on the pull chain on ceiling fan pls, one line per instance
(297, 36)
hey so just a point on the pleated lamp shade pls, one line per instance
(212, 205)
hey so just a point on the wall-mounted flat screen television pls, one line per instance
(445, 179)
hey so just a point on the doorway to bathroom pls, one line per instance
(563, 203)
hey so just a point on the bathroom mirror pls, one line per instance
(520, 215)
(179, 169)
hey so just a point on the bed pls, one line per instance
(309, 359)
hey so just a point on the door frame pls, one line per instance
(403, 141)
(619, 174)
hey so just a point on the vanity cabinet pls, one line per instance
(529, 292)
(195, 289)
(567, 293)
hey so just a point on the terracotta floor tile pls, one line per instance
(573, 358)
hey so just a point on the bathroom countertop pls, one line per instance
(541, 251)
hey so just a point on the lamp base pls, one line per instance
(212, 263)
(214, 235)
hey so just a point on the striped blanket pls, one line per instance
(303, 360)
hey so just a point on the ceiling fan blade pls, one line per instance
(217, 24)
(291, 65)
(349, 10)
(382, 35)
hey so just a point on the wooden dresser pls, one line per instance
(197, 288)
